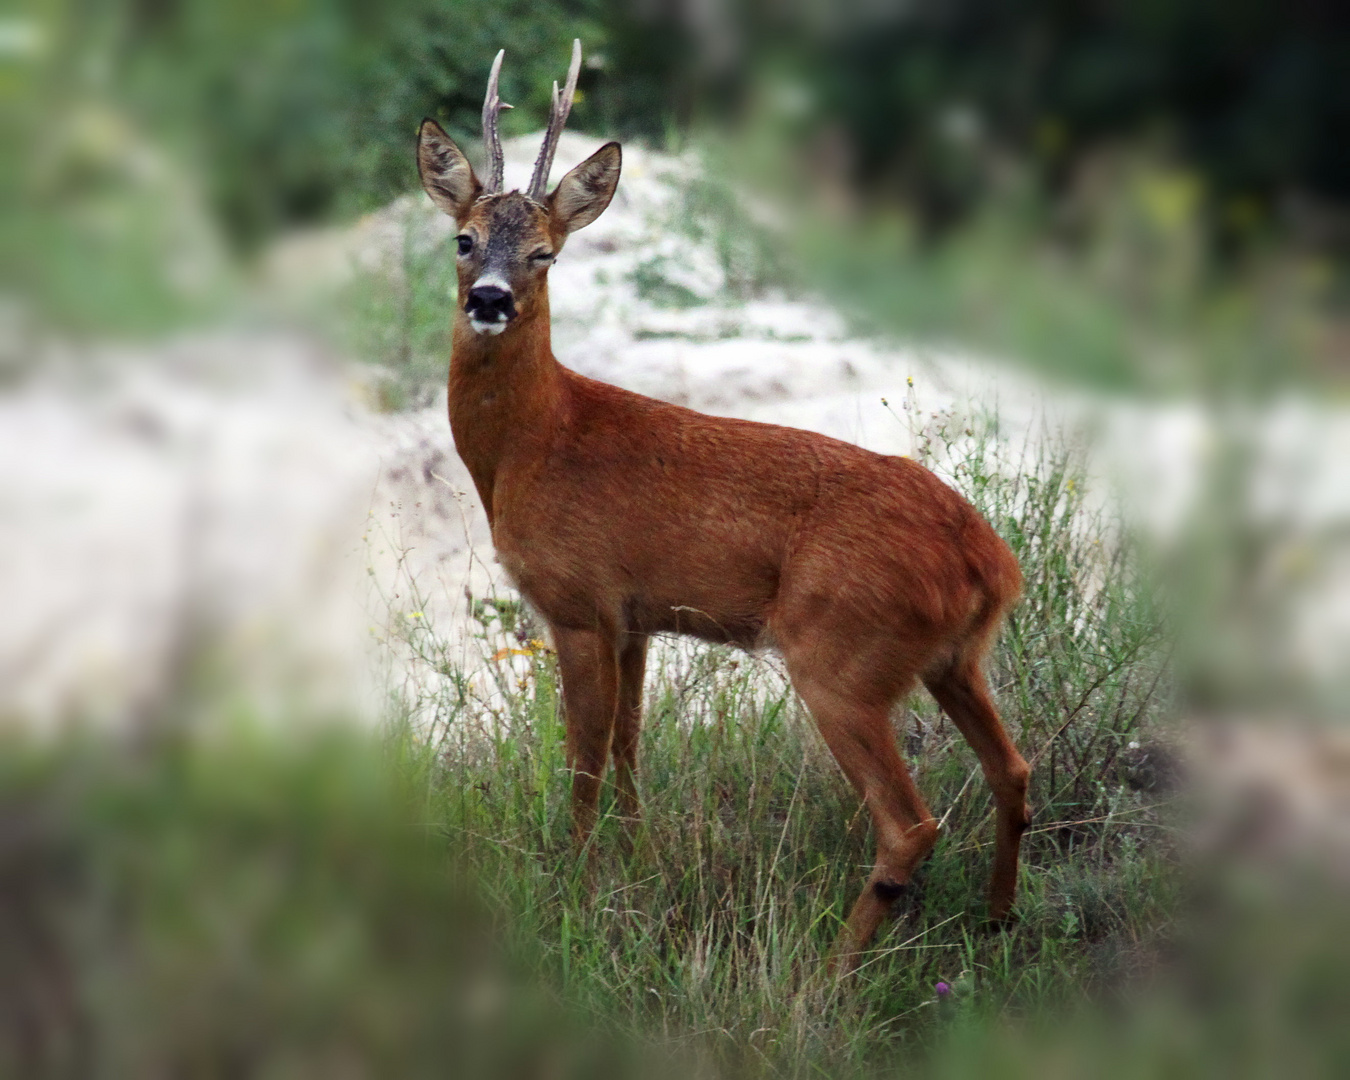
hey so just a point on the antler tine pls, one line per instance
(492, 140)
(557, 117)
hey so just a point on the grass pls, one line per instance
(231, 899)
(711, 931)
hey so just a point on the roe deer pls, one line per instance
(619, 516)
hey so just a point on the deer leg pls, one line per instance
(588, 664)
(857, 729)
(964, 695)
(628, 724)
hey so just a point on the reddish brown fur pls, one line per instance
(619, 516)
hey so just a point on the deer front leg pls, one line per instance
(589, 666)
(628, 725)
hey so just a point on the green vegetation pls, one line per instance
(1110, 285)
(244, 903)
(711, 930)
(227, 898)
(295, 112)
(1127, 303)
(1138, 199)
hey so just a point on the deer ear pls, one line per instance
(446, 173)
(582, 195)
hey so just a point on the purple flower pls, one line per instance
(943, 990)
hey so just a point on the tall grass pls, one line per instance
(229, 900)
(710, 931)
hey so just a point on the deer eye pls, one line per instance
(542, 255)
(465, 244)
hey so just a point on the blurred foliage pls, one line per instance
(253, 904)
(925, 96)
(396, 317)
(247, 904)
(1107, 189)
(301, 110)
(1112, 282)
(1133, 302)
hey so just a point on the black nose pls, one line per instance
(490, 303)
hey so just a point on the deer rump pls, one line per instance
(645, 517)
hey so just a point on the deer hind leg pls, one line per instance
(628, 724)
(589, 666)
(964, 695)
(857, 729)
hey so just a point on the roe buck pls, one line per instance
(619, 517)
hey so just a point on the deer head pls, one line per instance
(508, 240)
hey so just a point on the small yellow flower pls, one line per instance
(909, 380)
(416, 615)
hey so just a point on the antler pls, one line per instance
(492, 107)
(557, 117)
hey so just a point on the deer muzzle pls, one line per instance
(490, 308)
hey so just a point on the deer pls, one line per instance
(619, 517)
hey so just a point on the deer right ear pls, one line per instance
(446, 173)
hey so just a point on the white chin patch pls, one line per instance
(481, 327)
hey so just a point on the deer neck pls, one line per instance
(505, 396)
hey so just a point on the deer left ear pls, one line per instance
(582, 195)
(446, 173)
